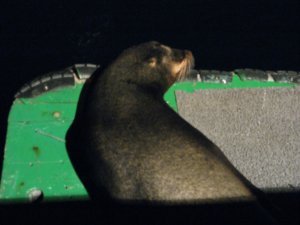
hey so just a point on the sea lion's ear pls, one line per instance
(152, 62)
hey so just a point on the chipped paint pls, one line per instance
(38, 131)
(36, 151)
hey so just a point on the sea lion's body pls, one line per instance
(127, 141)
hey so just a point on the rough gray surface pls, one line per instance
(258, 129)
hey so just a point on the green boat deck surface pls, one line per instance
(35, 155)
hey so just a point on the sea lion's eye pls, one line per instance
(152, 61)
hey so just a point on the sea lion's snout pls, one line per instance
(183, 62)
(189, 55)
(190, 58)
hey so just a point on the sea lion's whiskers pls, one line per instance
(184, 69)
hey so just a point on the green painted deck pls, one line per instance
(35, 155)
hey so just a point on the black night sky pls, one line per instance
(37, 37)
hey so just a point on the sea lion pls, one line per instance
(130, 143)
(126, 144)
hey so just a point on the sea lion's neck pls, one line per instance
(128, 99)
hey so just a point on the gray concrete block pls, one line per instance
(258, 129)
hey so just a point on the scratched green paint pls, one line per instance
(35, 152)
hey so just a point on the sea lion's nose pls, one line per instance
(188, 53)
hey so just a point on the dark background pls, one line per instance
(37, 37)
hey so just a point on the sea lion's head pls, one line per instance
(153, 63)
(173, 64)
